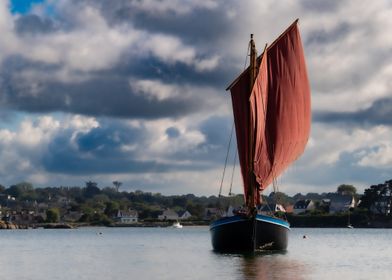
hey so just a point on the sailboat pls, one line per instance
(272, 116)
(177, 225)
(349, 225)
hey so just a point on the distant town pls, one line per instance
(24, 206)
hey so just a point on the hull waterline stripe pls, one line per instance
(228, 221)
(271, 220)
(260, 218)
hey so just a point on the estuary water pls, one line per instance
(169, 253)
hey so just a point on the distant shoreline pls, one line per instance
(296, 221)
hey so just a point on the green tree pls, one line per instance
(280, 197)
(100, 219)
(76, 193)
(376, 194)
(52, 215)
(91, 189)
(117, 185)
(111, 208)
(179, 201)
(23, 190)
(196, 210)
(346, 190)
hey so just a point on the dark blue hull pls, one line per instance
(248, 234)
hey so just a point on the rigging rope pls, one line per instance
(267, 203)
(232, 173)
(227, 155)
(228, 148)
(246, 57)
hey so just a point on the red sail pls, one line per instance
(240, 93)
(262, 163)
(280, 111)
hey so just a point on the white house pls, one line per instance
(127, 217)
(213, 213)
(341, 203)
(168, 214)
(267, 209)
(301, 206)
(183, 215)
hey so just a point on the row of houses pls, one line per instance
(129, 216)
(336, 204)
(333, 205)
(132, 216)
(170, 214)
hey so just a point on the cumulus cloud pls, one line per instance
(336, 155)
(347, 56)
(379, 156)
(45, 148)
(68, 61)
(141, 84)
(167, 6)
(379, 112)
(21, 149)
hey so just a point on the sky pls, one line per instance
(134, 91)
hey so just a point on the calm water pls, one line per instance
(168, 253)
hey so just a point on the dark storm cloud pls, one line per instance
(96, 151)
(107, 140)
(321, 6)
(217, 130)
(322, 36)
(200, 25)
(172, 132)
(107, 93)
(106, 97)
(212, 151)
(65, 163)
(345, 170)
(33, 24)
(380, 112)
(179, 73)
(101, 151)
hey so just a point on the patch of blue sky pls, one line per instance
(11, 120)
(23, 6)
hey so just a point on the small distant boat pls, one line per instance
(177, 225)
(349, 225)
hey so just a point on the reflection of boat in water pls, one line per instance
(267, 265)
(177, 225)
(271, 107)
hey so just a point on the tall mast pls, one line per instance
(253, 73)
(253, 62)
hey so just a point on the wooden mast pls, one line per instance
(253, 73)
(270, 46)
(253, 62)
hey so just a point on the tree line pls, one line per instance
(100, 205)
